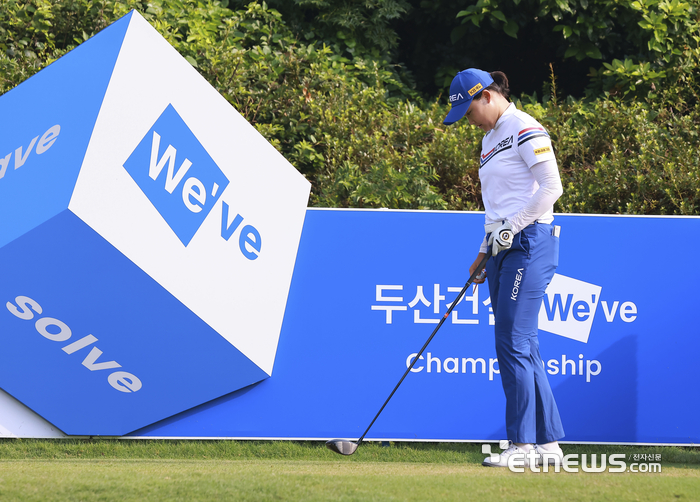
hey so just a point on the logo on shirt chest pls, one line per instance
(503, 145)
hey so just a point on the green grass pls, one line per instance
(125, 470)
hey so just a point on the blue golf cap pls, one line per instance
(466, 85)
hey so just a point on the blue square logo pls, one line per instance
(177, 174)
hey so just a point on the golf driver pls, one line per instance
(345, 447)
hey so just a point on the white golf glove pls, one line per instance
(501, 238)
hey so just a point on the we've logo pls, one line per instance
(177, 174)
(569, 306)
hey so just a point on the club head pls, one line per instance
(342, 446)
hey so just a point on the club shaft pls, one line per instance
(479, 268)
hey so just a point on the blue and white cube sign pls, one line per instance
(148, 239)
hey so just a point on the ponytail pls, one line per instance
(499, 85)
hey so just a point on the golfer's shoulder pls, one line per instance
(521, 119)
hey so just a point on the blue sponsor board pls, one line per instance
(369, 287)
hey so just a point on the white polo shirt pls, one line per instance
(508, 151)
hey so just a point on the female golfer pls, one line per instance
(519, 185)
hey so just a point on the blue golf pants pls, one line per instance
(517, 279)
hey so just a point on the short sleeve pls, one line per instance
(534, 145)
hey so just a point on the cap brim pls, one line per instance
(456, 113)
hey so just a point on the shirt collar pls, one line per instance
(506, 113)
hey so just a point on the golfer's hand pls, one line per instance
(501, 238)
(476, 263)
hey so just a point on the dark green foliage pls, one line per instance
(364, 139)
(650, 37)
(625, 46)
(354, 29)
(629, 159)
(357, 27)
